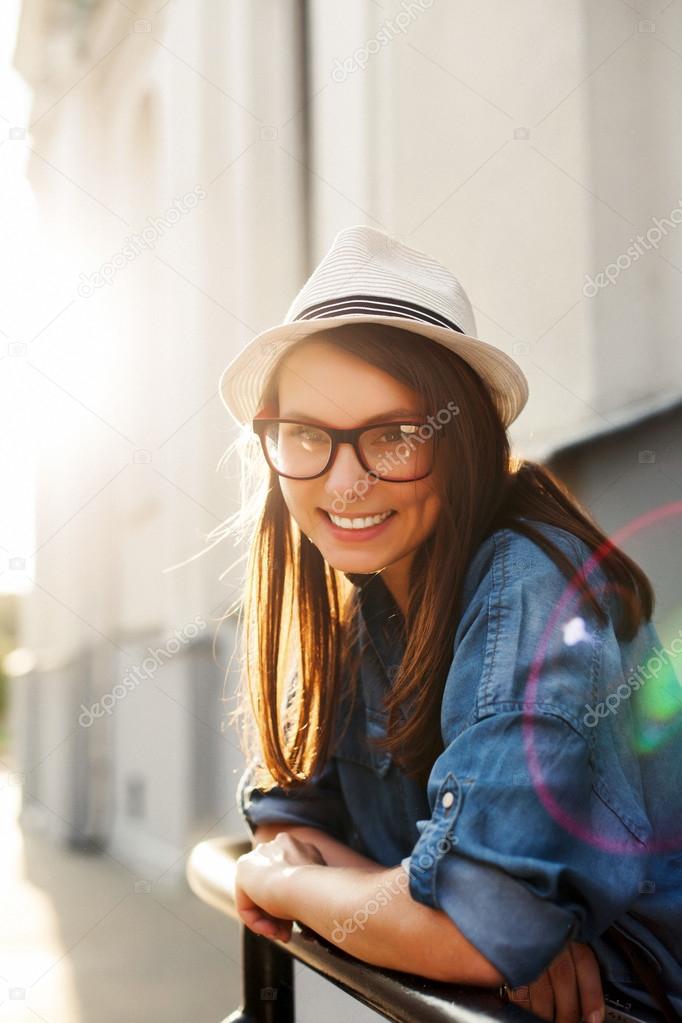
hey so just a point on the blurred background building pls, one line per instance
(176, 171)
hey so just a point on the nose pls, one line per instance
(344, 473)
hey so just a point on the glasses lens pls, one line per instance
(397, 451)
(297, 449)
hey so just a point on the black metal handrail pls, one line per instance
(267, 966)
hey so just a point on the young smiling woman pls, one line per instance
(422, 787)
(412, 507)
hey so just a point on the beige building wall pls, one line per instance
(152, 127)
(531, 147)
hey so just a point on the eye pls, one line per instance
(397, 433)
(390, 435)
(307, 434)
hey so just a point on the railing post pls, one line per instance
(267, 982)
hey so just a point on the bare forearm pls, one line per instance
(335, 853)
(372, 916)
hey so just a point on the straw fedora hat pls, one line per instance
(367, 276)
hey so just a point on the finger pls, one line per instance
(262, 923)
(249, 911)
(254, 916)
(280, 931)
(265, 927)
(541, 1005)
(564, 983)
(257, 924)
(589, 982)
(542, 997)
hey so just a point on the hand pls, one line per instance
(260, 883)
(568, 991)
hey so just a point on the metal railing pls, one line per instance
(268, 973)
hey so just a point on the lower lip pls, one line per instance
(368, 533)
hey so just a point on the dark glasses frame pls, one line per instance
(351, 436)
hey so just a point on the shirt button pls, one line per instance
(447, 800)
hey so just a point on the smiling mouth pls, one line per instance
(358, 521)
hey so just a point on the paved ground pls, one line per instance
(78, 944)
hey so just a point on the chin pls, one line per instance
(354, 564)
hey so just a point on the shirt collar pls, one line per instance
(382, 618)
(359, 579)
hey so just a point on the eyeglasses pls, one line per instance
(394, 452)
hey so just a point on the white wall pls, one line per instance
(522, 144)
(131, 113)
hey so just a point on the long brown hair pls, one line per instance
(299, 610)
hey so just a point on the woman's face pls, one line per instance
(334, 388)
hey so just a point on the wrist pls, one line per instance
(289, 889)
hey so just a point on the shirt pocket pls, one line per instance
(354, 746)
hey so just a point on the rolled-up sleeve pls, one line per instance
(319, 803)
(523, 852)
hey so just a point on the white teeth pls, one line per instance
(370, 520)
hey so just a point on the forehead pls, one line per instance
(339, 387)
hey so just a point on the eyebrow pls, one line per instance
(382, 417)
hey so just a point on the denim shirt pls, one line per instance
(541, 821)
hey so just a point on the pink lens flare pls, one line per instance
(565, 819)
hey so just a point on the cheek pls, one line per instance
(425, 502)
(287, 495)
(299, 500)
(430, 512)
(420, 514)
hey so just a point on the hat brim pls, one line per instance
(242, 381)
